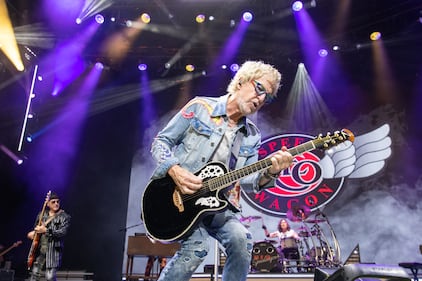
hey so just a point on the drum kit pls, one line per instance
(317, 245)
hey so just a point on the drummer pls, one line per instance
(284, 231)
(288, 248)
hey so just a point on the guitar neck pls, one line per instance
(7, 250)
(10, 248)
(233, 176)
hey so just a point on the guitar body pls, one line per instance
(166, 221)
(33, 250)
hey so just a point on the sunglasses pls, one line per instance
(260, 90)
(55, 201)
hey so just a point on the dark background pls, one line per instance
(95, 188)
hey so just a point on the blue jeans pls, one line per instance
(232, 235)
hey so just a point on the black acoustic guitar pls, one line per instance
(169, 215)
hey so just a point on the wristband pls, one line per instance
(269, 175)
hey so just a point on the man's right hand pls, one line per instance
(187, 182)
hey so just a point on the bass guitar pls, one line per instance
(169, 215)
(36, 239)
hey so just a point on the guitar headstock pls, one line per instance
(47, 197)
(333, 139)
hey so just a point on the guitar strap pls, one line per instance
(234, 153)
(233, 194)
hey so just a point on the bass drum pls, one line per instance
(264, 257)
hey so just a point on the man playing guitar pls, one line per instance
(50, 228)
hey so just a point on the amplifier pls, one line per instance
(7, 275)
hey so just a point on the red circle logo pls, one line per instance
(301, 184)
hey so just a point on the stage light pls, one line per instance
(232, 23)
(336, 48)
(234, 67)
(322, 53)
(145, 18)
(99, 18)
(11, 154)
(167, 65)
(224, 66)
(113, 19)
(29, 138)
(142, 67)
(200, 18)
(78, 21)
(247, 16)
(99, 66)
(39, 78)
(375, 36)
(190, 68)
(297, 6)
(129, 23)
(301, 65)
(211, 18)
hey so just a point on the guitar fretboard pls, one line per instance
(233, 176)
(319, 142)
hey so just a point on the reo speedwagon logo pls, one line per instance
(301, 184)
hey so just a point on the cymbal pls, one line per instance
(249, 219)
(298, 213)
(315, 221)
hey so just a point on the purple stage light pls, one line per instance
(297, 6)
(234, 67)
(322, 53)
(247, 16)
(142, 67)
(99, 19)
(99, 66)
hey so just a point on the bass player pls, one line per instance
(50, 228)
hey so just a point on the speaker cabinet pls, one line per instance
(7, 275)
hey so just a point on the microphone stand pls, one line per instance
(129, 227)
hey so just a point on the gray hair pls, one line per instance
(251, 70)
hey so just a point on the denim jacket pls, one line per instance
(192, 135)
